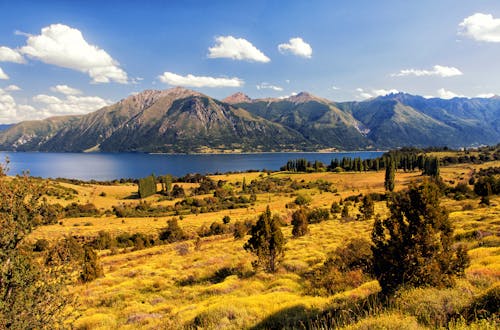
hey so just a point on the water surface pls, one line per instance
(110, 166)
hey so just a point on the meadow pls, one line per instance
(209, 283)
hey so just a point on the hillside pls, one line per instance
(185, 121)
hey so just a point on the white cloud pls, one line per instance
(70, 105)
(481, 27)
(265, 85)
(64, 46)
(12, 88)
(236, 49)
(199, 81)
(437, 70)
(10, 55)
(363, 94)
(66, 90)
(296, 46)
(486, 95)
(3, 75)
(287, 96)
(445, 94)
(47, 106)
(335, 88)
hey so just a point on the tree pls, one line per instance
(414, 245)
(345, 211)
(367, 208)
(91, 267)
(147, 186)
(267, 242)
(31, 295)
(431, 167)
(299, 222)
(390, 173)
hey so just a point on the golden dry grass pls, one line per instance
(165, 287)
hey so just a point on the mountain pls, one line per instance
(319, 120)
(185, 121)
(174, 120)
(403, 119)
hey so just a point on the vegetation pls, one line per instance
(147, 186)
(414, 245)
(267, 242)
(168, 265)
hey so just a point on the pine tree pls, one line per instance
(91, 268)
(390, 173)
(300, 223)
(414, 245)
(367, 208)
(267, 242)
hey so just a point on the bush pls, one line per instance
(173, 232)
(318, 215)
(302, 200)
(41, 245)
(91, 268)
(299, 222)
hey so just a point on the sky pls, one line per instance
(74, 57)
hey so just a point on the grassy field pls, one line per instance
(209, 283)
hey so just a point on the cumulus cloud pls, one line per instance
(481, 27)
(296, 46)
(10, 55)
(66, 90)
(287, 96)
(445, 94)
(236, 49)
(3, 75)
(266, 85)
(64, 46)
(364, 94)
(12, 88)
(45, 106)
(199, 81)
(70, 105)
(437, 70)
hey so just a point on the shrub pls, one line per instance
(302, 200)
(91, 267)
(240, 230)
(318, 215)
(299, 222)
(173, 232)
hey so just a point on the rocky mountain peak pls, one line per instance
(304, 97)
(237, 98)
(148, 97)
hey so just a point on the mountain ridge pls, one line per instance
(187, 121)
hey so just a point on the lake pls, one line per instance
(110, 166)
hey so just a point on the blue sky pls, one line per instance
(73, 57)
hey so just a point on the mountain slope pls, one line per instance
(402, 119)
(182, 120)
(175, 120)
(317, 119)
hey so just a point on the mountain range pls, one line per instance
(180, 120)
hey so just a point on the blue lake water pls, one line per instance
(110, 166)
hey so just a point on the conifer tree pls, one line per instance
(414, 245)
(390, 173)
(267, 242)
(367, 208)
(300, 223)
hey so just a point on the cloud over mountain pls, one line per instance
(296, 46)
(236, 49)
(64, 46)
(481, 27)
(437, 70)
(199, 81)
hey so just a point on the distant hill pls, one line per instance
(185, 121)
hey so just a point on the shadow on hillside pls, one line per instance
(338, 314)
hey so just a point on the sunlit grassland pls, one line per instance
(177, 285)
